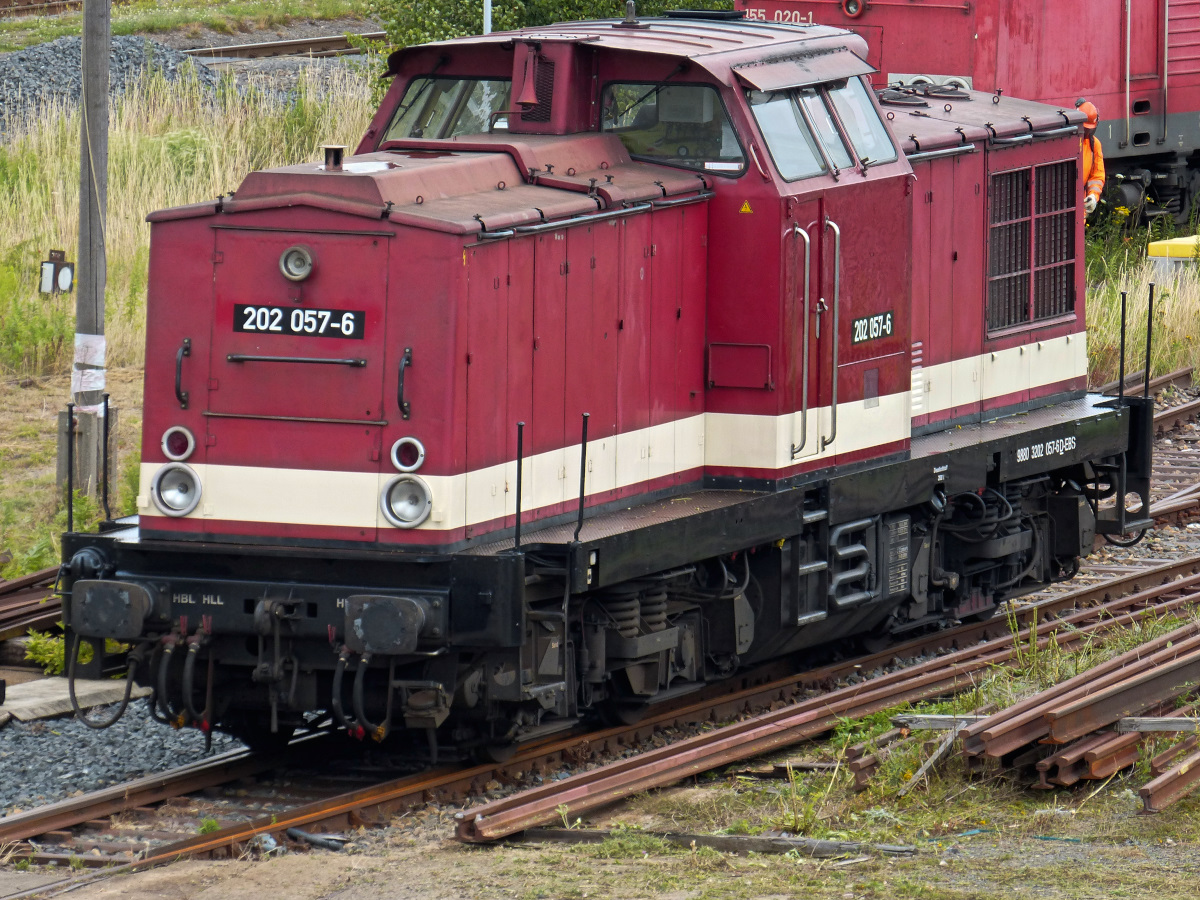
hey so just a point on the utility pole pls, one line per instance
(487, 16)
(87, 373)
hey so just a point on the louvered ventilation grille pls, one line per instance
(1031, 257)
(543, 82)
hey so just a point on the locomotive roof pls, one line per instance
(938, 121)
(724, 42)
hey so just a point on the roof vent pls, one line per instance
(333, 156)
(631, 19)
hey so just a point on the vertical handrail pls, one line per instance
(520, 466)
(1128, 63)
(1166, 64)
(798, 232)
(837, 285)
(104, 476)
(1149, 338)
(1121, 374)
(582, 477)
(70, 468)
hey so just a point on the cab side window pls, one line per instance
(449, 107)
(678, 125)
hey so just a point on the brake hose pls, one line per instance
(134, 658)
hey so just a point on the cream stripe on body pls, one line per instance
(725, 440)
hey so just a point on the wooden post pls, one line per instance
(87, 375)
(88, 453)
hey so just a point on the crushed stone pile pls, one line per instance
(51, 72)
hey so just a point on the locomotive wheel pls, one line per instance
(498, 752)
(624, 712)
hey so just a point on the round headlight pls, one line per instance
(406, 501)
(407, 454)
(296, 263)
(175, 489)
(178, 443)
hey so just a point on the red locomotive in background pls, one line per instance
(620, 356)
(1137, 60)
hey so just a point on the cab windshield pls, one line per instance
(809, 130)
(449, 107)
(678, 125)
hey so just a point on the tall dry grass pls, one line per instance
(1176, 339)
(170, 143)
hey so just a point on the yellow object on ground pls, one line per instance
(1171, 253)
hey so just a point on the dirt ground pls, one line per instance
(415, 860)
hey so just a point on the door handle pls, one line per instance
(405, 362)
(185, 349)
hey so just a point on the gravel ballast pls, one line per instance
(53, 759)
(51, 71)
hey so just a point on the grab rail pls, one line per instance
(357, 363)
(837, 285)
(185, 349)
(797, 232)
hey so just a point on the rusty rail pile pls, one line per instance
(1077, 714)
(26, 603)
(808, 718)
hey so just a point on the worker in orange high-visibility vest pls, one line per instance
(1093, 156)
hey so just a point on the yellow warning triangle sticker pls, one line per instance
(745, 207)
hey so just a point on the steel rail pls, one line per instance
(1174, 416)
(24, 606)
(1132, 695)
(1171, 785)
(331, 45)
(1135, 381)
(15, 9)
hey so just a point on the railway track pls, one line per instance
(24, 604)
(138, 836)
(16, 8)
(332, 45)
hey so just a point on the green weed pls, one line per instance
(208, 826)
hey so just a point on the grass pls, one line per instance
(32, 511)
(169, 144)
(1176, 340)
(154, 16)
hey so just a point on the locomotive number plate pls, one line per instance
(340, 323)
(872, 328)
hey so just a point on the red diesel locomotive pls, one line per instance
(1137, 60)
(619, 356)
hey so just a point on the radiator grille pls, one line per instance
(1031, 245)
